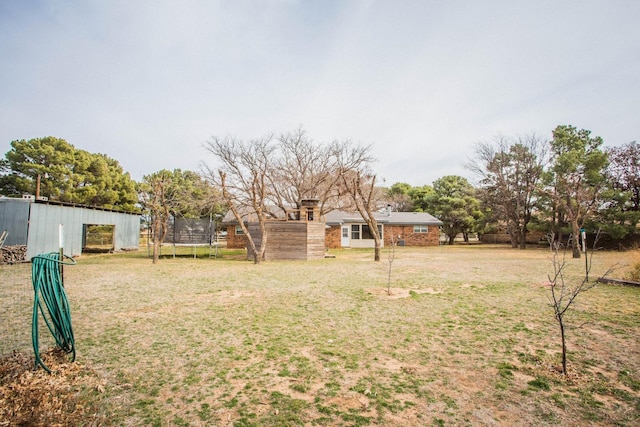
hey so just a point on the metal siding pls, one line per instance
(126, 226)
(43, 229)
(73, 229)
(128, 233)
(14, 217)
(45, 220)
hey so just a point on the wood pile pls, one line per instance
(13, 254)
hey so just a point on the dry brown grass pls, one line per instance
(466, 338)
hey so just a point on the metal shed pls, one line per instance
(36, 224)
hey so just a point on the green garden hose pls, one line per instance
(46, 274)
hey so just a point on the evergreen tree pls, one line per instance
(66, 174)
(454, 203)
(576, 179)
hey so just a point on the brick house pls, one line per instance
(348, 229)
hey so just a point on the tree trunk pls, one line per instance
(156, 250)
(513, 234)
(575, 243)
(452, 238)
(158, 236)
(257, 256)
(564, 347)
(514, 240)
(263, 240)
(376, 251)
(523, 238)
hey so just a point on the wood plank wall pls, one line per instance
(293, 240)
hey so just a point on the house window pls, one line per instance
(355, 231)
(420, 229)
(239, 230)
(363, 232)
(366, 232)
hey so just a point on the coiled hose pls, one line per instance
(46, 274)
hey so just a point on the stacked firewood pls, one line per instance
(12, 254)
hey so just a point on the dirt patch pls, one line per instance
(396, 293)
(471, 285)
(353, 402)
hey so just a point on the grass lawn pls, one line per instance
(467, 337)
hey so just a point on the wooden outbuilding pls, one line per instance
(299, 235)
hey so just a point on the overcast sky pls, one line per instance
(148, 82)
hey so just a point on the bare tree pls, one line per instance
(262, 178)
(619, 212)
(303, 169)
(624, 172)
(563, 295)
(244, 178)
(155, 197)
(511, 172)
(391, 258)
(362, 189)
(360, 184)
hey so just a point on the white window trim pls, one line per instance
(359, 231)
